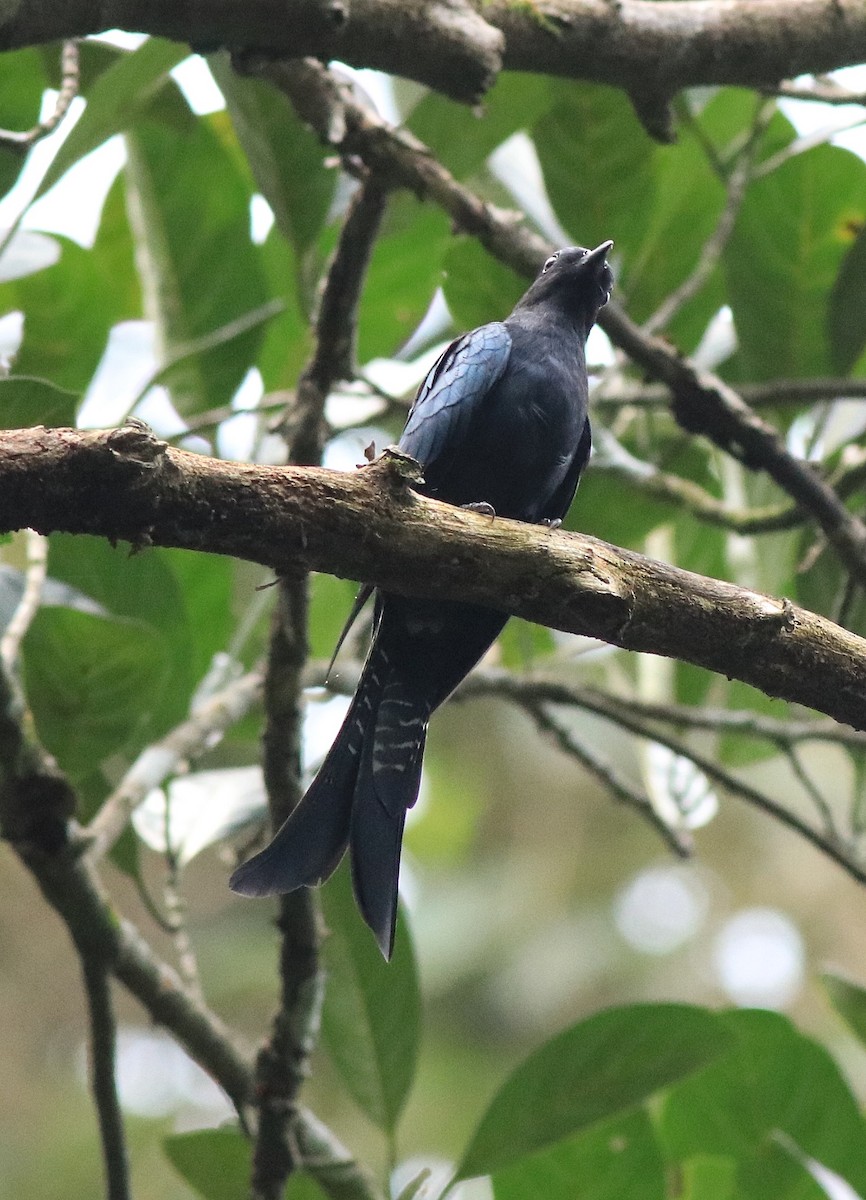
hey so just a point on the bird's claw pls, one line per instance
(551, 522)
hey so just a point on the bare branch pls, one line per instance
(756, 395)
(612, 779)
(103, 1037)
(166, 757)
(31, 598)
(822, 89)
(336, 326)
(737, 182)
(827, 841)
(690, 496)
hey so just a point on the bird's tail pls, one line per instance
(358, 799)
(386, 788)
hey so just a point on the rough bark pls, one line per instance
(650, 49)
(370, 526)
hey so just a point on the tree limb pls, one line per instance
(370, 526)
(650, 50)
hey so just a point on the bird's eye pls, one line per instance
(550, 262)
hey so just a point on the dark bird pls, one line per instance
(500, 422)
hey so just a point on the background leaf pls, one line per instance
(772, 1079)
(201, 269)
(92, 683)
(286, 159)
(620, 1160)
(588, 1074)
(26, 401)
(371, 1016)
(115, 99)
(781, 263)
(463, 138)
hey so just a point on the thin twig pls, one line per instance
(773, 393)
(808, 785)
(514, 690)
(621, 708)
(103, 1038)
(31, 597)
(333, 358)
(621, 789)
(176, 909)
(688, 495)
(711, 251)
(823, 89)
(165, 758)
(807, 142)
(69, 66)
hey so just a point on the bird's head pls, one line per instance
(578, 281)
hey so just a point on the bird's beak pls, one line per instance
(599, 254)
(596, 263)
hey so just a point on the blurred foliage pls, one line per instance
(526, 1015)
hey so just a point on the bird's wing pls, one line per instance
(449, 397)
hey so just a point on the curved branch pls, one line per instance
(651, 50)
(702, 402)
(370, 526)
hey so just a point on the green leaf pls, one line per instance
(781, 263)
(598, 165)
(201, 269)
(846, 315)
(405, 269)
(737, 749)
(115, 100)
(330, 605)
(22, 82)
(70, 307)
(91, 683)
(523, 643)
(608, 507)
(477, 287)
(185, 597)
(849, 1000)
(709, 1177)
(371, 1015)
(618, 1161)
(287, 338)
(772, 1079)
(463, 138)
(682, 214)
(593, 1071)
(216, 1163)
(25, 401)
(286, 159)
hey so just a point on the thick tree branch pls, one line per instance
(370, 526)
(650, 49)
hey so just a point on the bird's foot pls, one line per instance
(551, 522)
(480, 506)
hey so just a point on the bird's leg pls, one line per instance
(481, 506)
